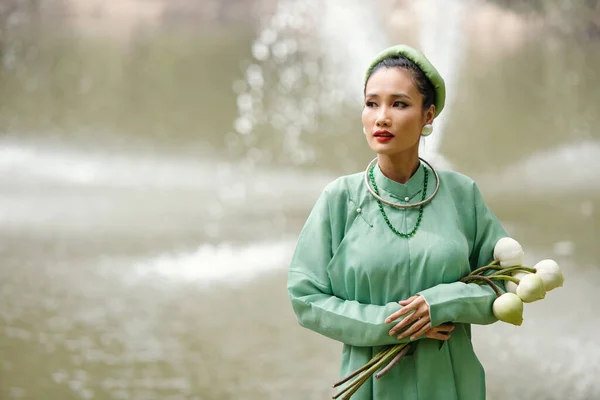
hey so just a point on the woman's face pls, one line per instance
(393, 112)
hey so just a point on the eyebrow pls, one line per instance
(395, 95)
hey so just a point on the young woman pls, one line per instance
(379, 258)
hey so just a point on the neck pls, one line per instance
(399, 167)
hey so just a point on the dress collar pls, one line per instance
(401, 191)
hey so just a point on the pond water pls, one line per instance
(152, 188)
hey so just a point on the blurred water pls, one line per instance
(303, 57)
(145, 230)
(443, 40)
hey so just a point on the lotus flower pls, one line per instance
(509, 252)
(509, 308)
(510, 285)
(531, 288)
(550, 273)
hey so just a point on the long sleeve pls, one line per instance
(469, 303)
(309, 289)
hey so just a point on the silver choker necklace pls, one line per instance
(396, 205)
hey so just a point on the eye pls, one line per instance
(400, 104)
(370, 104)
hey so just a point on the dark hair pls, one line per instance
(424, 85)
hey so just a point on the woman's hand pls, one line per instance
(420, 320)
(440, 332)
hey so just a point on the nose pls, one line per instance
(383, 118)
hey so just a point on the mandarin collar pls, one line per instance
(401, 191)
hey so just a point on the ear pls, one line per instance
(429, 114)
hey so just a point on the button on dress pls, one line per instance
(349, 271)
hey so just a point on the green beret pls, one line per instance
(422, 62)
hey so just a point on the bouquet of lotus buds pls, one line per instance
(523, 285)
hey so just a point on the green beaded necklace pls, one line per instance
(385, 217)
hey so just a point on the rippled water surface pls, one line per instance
(152, 188)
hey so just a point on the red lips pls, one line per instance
(383, 136)
(382, 132)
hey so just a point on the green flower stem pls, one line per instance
(493, 265)
(506, 270)
(487, 280)
(362, 378)
(505, 278)
(354, 388)
(388, 367)
(481, 270)
(365, 375)
(372, 361)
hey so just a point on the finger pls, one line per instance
(412, 302)
(393, 316)
(417, 329)
(447, 327)
(420, 325)
(407, 301)
(404, 323)
(432, 334)
(421, 331)
(403, 311)
(418, 314)
(399, 313)
(415, 302)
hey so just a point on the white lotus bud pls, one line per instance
(550, 273)
(511, 286)
(509, 252)
(531, 288)
(509, 308)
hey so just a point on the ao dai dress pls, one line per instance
(349, 271)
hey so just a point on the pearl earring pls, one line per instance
(364, 130)
(427, 129)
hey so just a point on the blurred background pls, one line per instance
(159, 157)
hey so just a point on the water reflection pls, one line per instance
(137, 228)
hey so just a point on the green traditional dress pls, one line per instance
(349, 271)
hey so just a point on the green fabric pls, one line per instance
(349, 271)
(422, 62)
